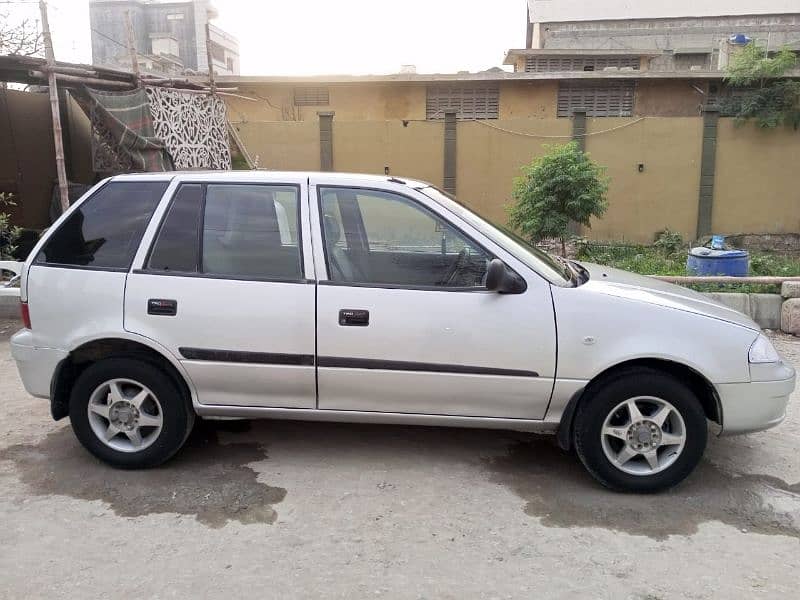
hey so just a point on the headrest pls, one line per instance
(333, 230)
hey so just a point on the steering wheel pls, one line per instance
(459, 263)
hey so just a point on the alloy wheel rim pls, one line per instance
(125, 415)
(643, 435)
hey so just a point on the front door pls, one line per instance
(404, 321)
(224, 288)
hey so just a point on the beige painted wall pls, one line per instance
(488, 160)
(669, 98)
(528, 99)
(665, 193)
(756, 186)
(367, 102)
(757, 183)
(377, 102)
(413, 151)
(282, 146)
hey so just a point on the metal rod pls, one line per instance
(58, 142)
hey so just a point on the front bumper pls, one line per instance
(757, 405)
(35, 365)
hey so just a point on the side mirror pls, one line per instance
(503, 280)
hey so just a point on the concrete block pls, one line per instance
(790, 316)
(790, 289)
(766, 310)
(736, 301)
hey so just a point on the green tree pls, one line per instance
(765, 97)
(561, 186)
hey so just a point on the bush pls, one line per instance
(669, 242)
(562, 186)
(8, 233)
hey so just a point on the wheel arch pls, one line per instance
(90, 351)
(700, 385)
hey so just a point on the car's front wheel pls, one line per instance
(129, 413)
(640, 431)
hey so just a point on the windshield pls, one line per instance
(556, 270)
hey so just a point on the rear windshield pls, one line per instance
(105, 231)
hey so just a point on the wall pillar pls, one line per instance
(579, 128)
(579, 137)
(450, 125)
(326, 140)
(708, 162)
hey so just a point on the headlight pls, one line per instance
(762, 351)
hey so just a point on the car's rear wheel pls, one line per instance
(640, 431)
(129, 413)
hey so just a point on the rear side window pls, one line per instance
(105, 231)
(250, 231)
(246, 231)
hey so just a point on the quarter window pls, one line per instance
(105, 231)
(377, 237)
(177, 248)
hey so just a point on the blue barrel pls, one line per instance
(705, 261)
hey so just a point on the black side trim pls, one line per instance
(235, 356)
(400, 365)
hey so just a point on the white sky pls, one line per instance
(304, 37)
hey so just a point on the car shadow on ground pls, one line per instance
(211, 478)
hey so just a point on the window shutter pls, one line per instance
(311, 96)
(469, 101)
(597, 98)
(552, 64)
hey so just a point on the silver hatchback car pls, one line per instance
(317, 296)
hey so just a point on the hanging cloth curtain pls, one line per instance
(123, 136)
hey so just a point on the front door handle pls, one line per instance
(353, 317)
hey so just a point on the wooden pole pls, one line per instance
(76, 80)
(211, 82)
(132, 47)
(63, 187)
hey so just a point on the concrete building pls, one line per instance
(170, 36)
(681, 34)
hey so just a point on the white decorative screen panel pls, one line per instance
(193, 127)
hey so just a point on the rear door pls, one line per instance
(227, 286)
(404, 321)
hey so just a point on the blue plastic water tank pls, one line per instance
(705, 261)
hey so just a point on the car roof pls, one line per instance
(265, 175)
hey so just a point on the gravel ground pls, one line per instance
(310, 510)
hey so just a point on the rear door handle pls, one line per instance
(162, 307)
(353, 317)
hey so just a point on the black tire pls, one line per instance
(177, 413)
(607, 395)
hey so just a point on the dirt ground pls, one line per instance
(310, 510)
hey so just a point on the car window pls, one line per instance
(177, 246)
(105, 231)
(400, 242)
(250, 231)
